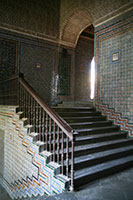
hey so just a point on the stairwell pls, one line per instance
(101, 148)
(71, 144)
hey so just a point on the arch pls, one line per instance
(75, 24)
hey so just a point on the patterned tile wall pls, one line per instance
(39, 18)
(26, 171)
(38, 67)
(115, 78)
(38, 60)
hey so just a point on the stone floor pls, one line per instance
(115, 187)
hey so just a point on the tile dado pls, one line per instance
(26, 171)
(114, 79)
(116, 117)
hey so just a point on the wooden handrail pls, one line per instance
(59, 121)
(10, 79)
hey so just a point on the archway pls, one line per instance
(74, 25)
(78, 32)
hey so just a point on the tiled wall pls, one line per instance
(26, 171)
(38, 61)
(115, 78)
(39, 18)
(38, 66)
(7, 58)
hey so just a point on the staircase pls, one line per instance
(82, 143)
(100, 147)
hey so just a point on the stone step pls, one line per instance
(84, 119)
(75, 103)
(89, 174)
(90, 124)
(81, 114)
(89, 139)
(94, 138)
(101, 157)
(73, 109)
(87, 149)
(96, 130)
(101, 146)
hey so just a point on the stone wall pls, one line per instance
(113, 52)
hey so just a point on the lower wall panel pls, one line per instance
(25, 171)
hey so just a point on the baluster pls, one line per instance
(54, 141)
(20, 96)
(38, 108)
(27, 108)
(43, 124)
(67, 156)
(46, 131)
(58, 144)
(72, 166)
(22, 99)
(30, 108)
(62, 152)
(32, 112)
(24, 103)
(40, 123)
(27, 114)
(50, 149)
(34, 115)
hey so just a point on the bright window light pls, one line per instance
(92, 79)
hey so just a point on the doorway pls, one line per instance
(84, 54)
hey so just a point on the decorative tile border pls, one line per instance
(116, 28)
(26, 171)
(116, 117)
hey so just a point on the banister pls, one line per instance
(59, 121)
(10, 79)
(56, 133)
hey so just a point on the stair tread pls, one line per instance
(40, 143)
(80, 138)
(84, 108)
(84, 112)
(83, 117)
(88, 123)
(89, 146)
(34, 134)
(101, 167)
(97, 155)
(96, 128)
